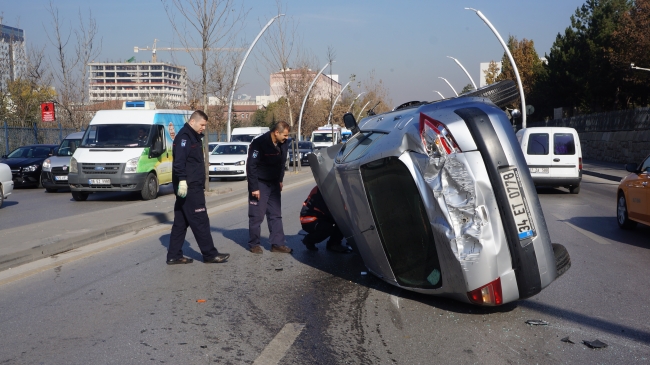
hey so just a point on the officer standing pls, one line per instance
(265, 169)
(188, 179)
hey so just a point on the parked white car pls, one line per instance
(6, 182)
(228, 159)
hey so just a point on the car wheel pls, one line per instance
(79, 196)
(562, 259)
(621, 213)
(150, 188)
(574, 189)
(50, 190)
(501, 93)
(2, 196)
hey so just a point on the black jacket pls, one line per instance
(314, 208)
(188, 162)
(265, 161)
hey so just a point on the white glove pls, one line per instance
(182, 189)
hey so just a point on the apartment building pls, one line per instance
(325, 85)
(156, 81)
(13, 59)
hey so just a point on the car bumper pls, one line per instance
(25, 179)
(54, 179)
(113, 181)
(556, 181)
(228, 171)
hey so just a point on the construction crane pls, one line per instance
(154, 49)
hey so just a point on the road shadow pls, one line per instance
(607, 227)
(188, 250)
(8, 203)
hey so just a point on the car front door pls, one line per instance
(564, 161)
(538, 155)
(639, 194)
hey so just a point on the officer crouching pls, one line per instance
(188, 179)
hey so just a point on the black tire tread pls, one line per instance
(501, 93)
(79, 196)
(628, 224)
(562, 259)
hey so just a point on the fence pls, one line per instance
(14, 137)
(617, 121)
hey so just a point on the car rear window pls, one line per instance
(537, 144)
(564, 144)
(402, 223)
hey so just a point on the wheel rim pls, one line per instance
(152, 186)
(621, 210)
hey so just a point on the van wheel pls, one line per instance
(562, 259)
(501, 93)
(621, 213)
(79, 196)
(574, 189)
(150, 188)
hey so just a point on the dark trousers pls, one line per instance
(269, 204)
(320, 230)
(190, 211)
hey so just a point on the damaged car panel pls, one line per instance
(438, 199)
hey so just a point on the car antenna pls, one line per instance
(371, 112)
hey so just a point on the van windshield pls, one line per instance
(242, 137)
(322, 137)
(68, 146)
(117, 135)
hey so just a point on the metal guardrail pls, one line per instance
(14, 137)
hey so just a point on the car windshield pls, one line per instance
(242, 137)
(322, 137)
(117, 135)
(304, 145)
(68, 146)
(233, 149)
(31, 152)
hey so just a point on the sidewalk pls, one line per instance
(604, 170)
(33, 242)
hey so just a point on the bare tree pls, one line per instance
(71, 66)
(212, 24)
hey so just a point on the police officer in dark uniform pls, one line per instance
(265, 169)
(188, 179)
(319, 223)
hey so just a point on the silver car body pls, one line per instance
(56, 168)
(6, 181)
(445, 225)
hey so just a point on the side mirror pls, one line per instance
(350, 123)
(156, 150)
(4, 156)
(631, 167)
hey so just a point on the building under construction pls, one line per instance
(157, 81)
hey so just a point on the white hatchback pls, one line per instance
(228, 159)
(6, 182)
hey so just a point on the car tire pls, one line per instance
(50, 190)
(574, 189)
(79, 196)
(621, 213)
(2, 196)
(501, 93)
(150, 189)
(562, 259)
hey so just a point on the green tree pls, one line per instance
(527, 60)
(492, 73)
(467, 88)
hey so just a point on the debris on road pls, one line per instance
(279, 269)
(595, 344)
(200, 300)
(567, 340)
(536, 322)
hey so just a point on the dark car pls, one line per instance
(304, 149)
(26, 163)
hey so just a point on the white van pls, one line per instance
(126, 150)
(553, 155)
(247, 134)
(326, 136)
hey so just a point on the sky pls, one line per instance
(405, 43)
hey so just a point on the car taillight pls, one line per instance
(436, 138)
(580, 163)
(489, 294)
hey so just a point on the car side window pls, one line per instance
(537, 144)
(564, 144)
(645, 166)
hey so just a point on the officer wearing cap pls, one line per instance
(188, 179)
(265, 169)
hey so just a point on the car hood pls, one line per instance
(22, 162)
(303, 151)
(58, 161)
(227, 158)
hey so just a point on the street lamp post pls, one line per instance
(234, 84)
(466, 73)
(363, 108)
(439, 93)
(355, 99)
(638, 68)
(452, 88)
(334, 103)
(512, 62)
(302, 108)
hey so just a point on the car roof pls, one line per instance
(75, 135)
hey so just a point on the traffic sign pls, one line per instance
(47, 112)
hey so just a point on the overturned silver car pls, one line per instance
(437, 198)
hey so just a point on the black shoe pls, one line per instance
(339, 248)
(222, 257)
(311, 246)
(182, 260)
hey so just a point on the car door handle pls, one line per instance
(645, 183)
(556, 160)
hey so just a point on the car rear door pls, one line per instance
(564, 158)
(537, 152)
(638, 191)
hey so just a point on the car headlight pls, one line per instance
(240, 163)
(73, 165)
(30, 168)
(131, 165)
(47, 165)
(300, 155)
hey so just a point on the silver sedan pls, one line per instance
(6, 182)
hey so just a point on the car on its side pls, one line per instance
(6, 182)
(633, 198)
(55, 169)
(304, 148)
(438, 199)
(228, 159)
(26, 163)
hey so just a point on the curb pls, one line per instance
(603, 176)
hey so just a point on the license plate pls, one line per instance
(517, 203)
(218, 168)
(541, 170)
(99, 181)
(61, 178)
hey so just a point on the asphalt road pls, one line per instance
(119, 303)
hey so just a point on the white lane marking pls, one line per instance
(395, 300)
(278, 347)
(588, 234)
